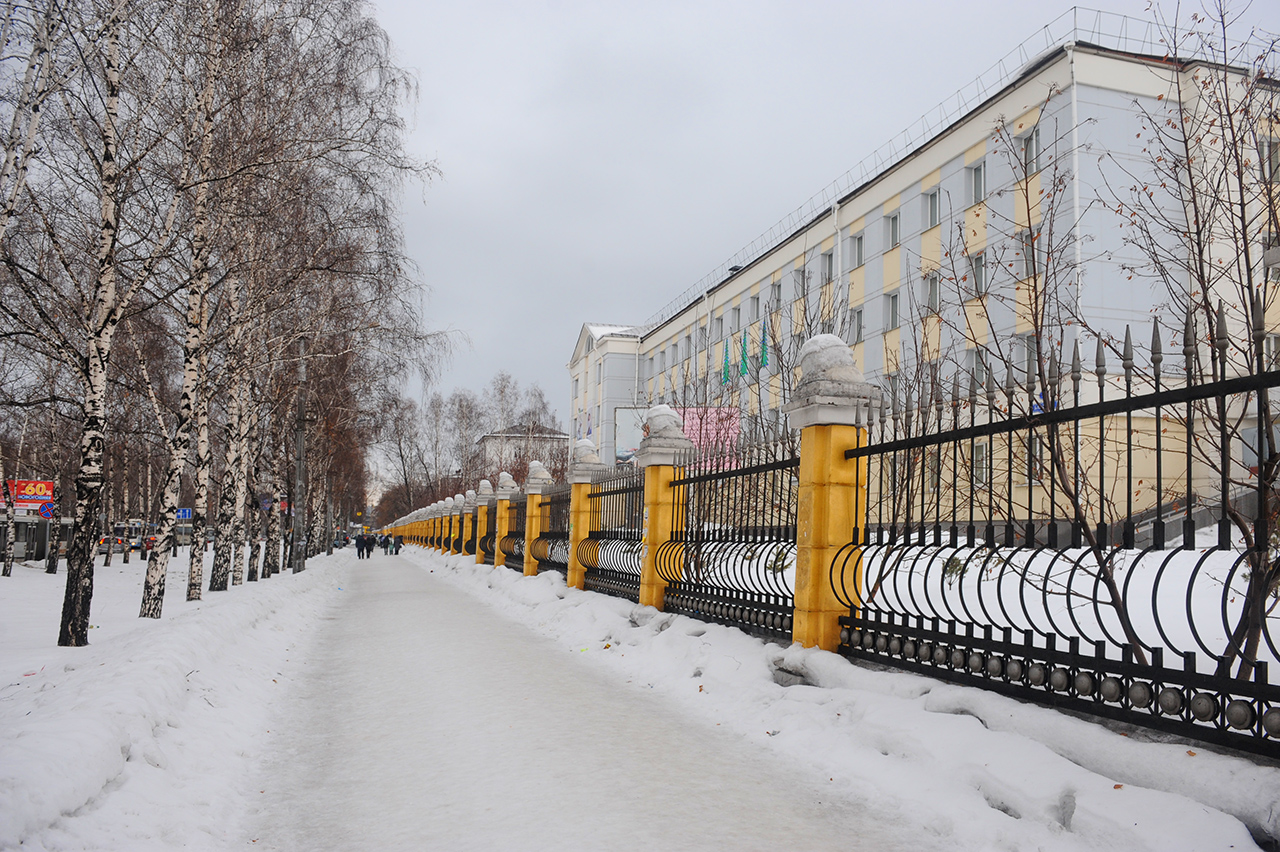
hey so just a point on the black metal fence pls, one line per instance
(488, 540)
(512, 543)
(551, 547)
(613, 551)
(731, 556)
(1069, 540)
(470, 531)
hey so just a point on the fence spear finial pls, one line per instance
(1259, 323)
(1077, 369)
(1127, 361)
(1100, 362)
(1055, 374)
(1220, 334)
(1157, 350)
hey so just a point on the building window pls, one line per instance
(1271, 351)
(979, 372)
(978, 269)
(933, 467)
(855, 326)
(982, 465)
(688, 346)
(1032, 264)
(932, 209)
(662, 361)
(1031, 152)
(977, 182)
(719, 326)
(1035, 459)
(891, 314)
(737, 320)
(933, 292)
(894, 230)
(1026, 356)
(755, 308)
(828, 268)
(575, 388)
(1269, 159)
(855, 251)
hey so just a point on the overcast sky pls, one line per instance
(600, 158)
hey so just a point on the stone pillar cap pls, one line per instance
(485, 489)
(539, 477)
(586, 462)
(507, 487)
(831, 390)
(664, 437)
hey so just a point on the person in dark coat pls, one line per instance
(360, 546)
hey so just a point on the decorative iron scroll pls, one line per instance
(613, 551)
(512, 543)
(731, 556)
(1026, 540)
(551, 547)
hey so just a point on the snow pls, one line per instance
(423, 701)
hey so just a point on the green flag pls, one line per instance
(725, 378)
(764, 346)
(742, 369)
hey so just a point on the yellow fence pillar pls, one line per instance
(586, 465)
(537, 516)
(830, 406)
(664, 443)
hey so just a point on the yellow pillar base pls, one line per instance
(832, 492)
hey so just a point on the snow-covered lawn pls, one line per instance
(152, 737)
(143, 739)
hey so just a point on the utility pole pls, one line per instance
(299, 548)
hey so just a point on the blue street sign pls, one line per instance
(46, 510)
(184, 515)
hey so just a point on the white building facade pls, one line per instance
(966, 255)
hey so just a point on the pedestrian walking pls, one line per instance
(360, 546)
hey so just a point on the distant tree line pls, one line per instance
(432, 450)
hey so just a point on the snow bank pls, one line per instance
(976, 768)
(164, 716)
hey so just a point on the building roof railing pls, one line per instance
(1076, 25)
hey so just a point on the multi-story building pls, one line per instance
(1004, 230)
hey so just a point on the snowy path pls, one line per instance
(428, 721)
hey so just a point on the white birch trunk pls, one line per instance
(200, 505)
(10, 517)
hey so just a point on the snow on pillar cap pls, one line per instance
(539, 477)
(469, 502)
(663, 437)
(831, 390)
(507, 487)
(485, 489)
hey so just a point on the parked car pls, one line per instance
(118, 541)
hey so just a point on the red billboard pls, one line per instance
(30, 493)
